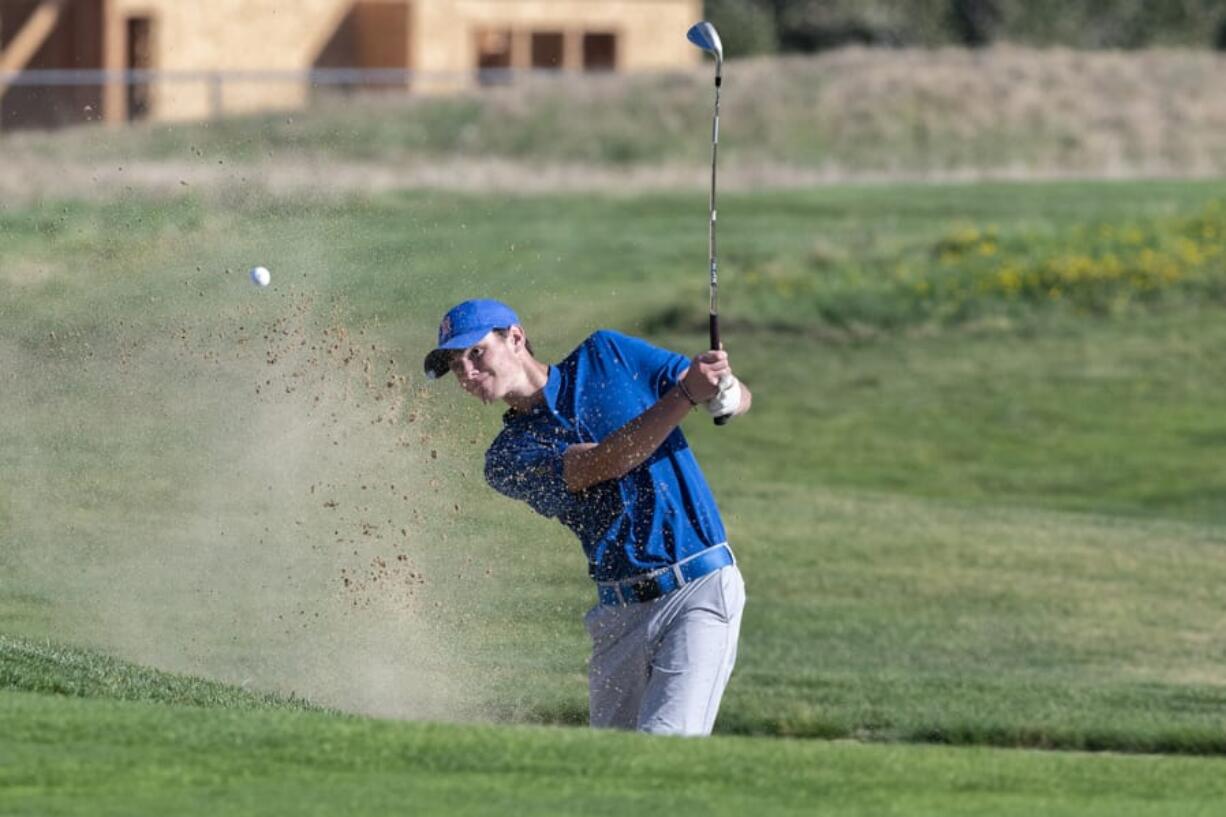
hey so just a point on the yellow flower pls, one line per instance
(1010, 280)
(1189, 251)
(959, 240)
(1148, 260)
(1111, 267)
(965, 235)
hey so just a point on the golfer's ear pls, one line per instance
(517, 336)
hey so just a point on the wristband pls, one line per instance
(686, 393)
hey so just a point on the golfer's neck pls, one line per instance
(530, 391)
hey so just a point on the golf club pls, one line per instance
(706, 37)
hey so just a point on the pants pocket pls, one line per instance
(731, 594)
(589, 621)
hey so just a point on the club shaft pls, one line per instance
(711, 249)
(711, 253)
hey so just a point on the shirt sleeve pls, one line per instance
(527, 468)
(662, 367)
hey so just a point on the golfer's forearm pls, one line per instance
(625, 449)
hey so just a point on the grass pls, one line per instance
(104, 757)
(915, 621)
(1001, 529)
(978, 502)
(951, 530)
(976, 274)
(54, 669)
(1032, 419)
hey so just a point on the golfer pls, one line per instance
(594, 442)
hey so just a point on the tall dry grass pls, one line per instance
(1003, 109)
(852, 114)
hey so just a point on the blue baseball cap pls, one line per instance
(465, 325)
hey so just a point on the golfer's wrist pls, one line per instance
(686, 394)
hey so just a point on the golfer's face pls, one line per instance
(482, 368)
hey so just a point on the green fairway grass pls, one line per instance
(999, 529)
(44, 667)
(102, 757)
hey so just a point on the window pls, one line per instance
(547, 50)
(493, 56)
(599, 51)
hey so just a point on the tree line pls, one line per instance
(769, 26)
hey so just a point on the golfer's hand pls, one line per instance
(703, 377)
(729, 400)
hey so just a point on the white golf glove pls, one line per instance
(728, 400)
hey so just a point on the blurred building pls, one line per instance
(63, 61)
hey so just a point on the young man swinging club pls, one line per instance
(594, 442)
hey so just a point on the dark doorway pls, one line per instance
(74, 41)
(372, 34)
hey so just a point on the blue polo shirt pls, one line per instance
(654, 516)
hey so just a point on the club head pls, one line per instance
(706, 37)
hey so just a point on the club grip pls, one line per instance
(715, 345)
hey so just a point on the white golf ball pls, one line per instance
(260, 276)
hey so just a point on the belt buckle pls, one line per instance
(643, 589)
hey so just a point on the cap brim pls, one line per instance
(438, 362)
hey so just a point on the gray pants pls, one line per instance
(661, 666)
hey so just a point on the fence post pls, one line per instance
(216, 100)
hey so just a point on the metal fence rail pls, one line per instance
(313, 76)
(217, 80)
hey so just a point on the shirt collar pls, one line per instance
(552, 388)
(549, 397)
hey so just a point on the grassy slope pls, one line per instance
(123, 739)
(901, 506)
(53, 669)
(100, 757)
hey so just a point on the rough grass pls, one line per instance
(101, 757)
(977, 272)
(50, 668)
